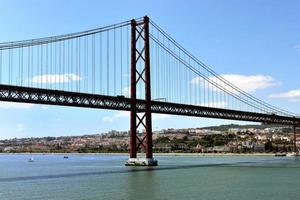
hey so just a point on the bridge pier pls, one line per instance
(140, 56)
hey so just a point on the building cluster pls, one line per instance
(205, 140)
(110, 141)
(235, 140)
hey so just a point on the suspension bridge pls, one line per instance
(132, 66)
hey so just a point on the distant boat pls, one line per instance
(280, 154)
(66, 157)
(296, 153)
(293, 154)
(31, 159)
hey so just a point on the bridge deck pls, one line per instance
(75, 99)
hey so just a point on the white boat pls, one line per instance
(293, 154)
(31, 159)
(279, 154)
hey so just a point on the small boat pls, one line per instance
(66, 157)
(280, 154)
(31, 159)
(293, 154)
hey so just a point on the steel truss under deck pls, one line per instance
(75, 99)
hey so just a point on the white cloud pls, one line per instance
(221, 104)
(45, 107)
(160, 116)
(13, 105)
(297, 48)
(55, 78)
(126, 114)
(126, 91)
(294, 100)
(247, 83)
(125, 75)
(292, 95)
(20, 127)
(118, 115)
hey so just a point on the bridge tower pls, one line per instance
(140, 74)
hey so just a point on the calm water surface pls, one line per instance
(177, 177)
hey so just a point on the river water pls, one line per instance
(100, 177)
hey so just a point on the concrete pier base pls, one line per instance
(141, 162)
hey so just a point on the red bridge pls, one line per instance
(133, 66)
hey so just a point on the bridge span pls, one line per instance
(127, 66)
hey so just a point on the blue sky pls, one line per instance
(247, 39)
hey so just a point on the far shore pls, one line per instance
(154, 154)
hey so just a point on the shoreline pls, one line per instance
(154, 154)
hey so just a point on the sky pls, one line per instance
(255, 44)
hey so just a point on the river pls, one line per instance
(98, 177)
